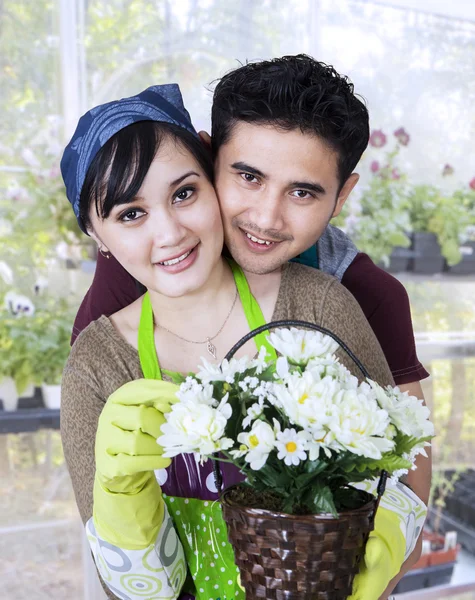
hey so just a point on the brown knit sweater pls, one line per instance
(101, 361)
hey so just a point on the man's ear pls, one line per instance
(344, 193)
(205, 138)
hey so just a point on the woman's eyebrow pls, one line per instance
(183, 177)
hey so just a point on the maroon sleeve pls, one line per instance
(112, 289)
(385, 303)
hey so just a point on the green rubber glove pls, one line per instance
(384, 556)
(128, 505)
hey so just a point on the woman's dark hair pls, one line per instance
(118, 170)
(294, 92)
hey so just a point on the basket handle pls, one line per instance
(218, 477)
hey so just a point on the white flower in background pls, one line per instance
(260, 442)
(30, 158)
(306, 401)
(300, 345)
(41, 284)
(291, 446)
(253, 413)
(6, 273)
(19, 305)
(361, 425)
(226, 371)
(408, 413)
(193, 427)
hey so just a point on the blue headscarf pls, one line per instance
(162, 103)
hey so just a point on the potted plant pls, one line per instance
(52, 327)
(281, 423)
(466, 266)
(381, 226)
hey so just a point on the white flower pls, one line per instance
(6, 273)
(41, 284)
(407, 413)
(291, 446)
(253, 412)
(300, 345)
(193, 427)
(226, 371)
(259, 363)
(282, 367)
(306, 401)
(260, 442)
(19, 305)
(192, 392)
(361, 425)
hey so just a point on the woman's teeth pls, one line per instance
(175, 261)
(257, 240)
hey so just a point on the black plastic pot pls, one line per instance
(424, 578)
(35, 401)
(400, 259)
(428, 259)
(467, 265)
(465, 530)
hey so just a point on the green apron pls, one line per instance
(199, 523)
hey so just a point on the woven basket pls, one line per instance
(293, 557)
(297, 557)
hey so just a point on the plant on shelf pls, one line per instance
(382, 219)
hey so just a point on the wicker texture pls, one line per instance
(293, 557)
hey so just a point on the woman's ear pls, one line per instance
(100, 245)
(205, 138)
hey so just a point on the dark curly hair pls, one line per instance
(294, 92)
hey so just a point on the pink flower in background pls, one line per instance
(375, 166)
(447, 170)
(472, 184)
(402, 136)
(377, 139)
(395, 174)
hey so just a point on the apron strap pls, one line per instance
(146, 342)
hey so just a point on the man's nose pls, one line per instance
(268, 213)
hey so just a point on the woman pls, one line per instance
(140, 183)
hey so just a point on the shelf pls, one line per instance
(29, 420)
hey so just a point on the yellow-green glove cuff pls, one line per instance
(130, 521)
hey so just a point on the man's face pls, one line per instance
(277, 191)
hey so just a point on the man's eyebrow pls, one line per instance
(242, 166)
(307, 185)
(183, 177)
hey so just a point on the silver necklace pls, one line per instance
(210, 347)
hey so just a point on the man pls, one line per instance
(287, 135)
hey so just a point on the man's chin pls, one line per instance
(257, 265)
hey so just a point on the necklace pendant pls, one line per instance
(211, 348)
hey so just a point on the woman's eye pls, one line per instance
(131, 215)
(302, 194)
(248, 178)
(184, 194)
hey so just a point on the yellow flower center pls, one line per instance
(243, 448)
(291, 446)
(303, 398)
(253, 441)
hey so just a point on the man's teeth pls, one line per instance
(257, 240)
(175, 261)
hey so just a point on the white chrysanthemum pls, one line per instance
(331, 367)
(361, 426)
(307, 401)
(226, 371)
(260, 441)
(259, 363)
(193, 427)
(300, 345)
(291, 446)
(407, 413)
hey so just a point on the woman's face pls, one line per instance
(171, 237)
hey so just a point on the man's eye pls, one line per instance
(131, 215)
(249, 178)
(302, 194)
(183, 194)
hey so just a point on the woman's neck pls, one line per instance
(193, 314)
